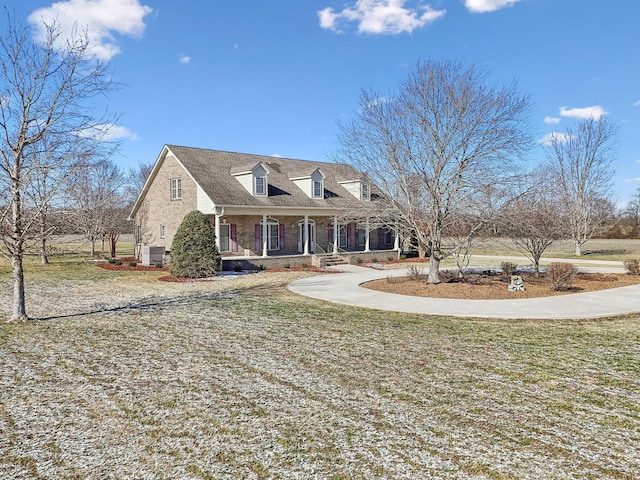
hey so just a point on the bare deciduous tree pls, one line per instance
(433, 145)
(43, 93)
(136, 179)
(98, 202)
(581, 161)
(632, 212)
(535, 220)
(53, 166)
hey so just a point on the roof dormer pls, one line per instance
(311, 183)
(359, 188)
(253, 177)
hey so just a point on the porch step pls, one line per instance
(335, 260)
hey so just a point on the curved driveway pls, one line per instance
(345, 288)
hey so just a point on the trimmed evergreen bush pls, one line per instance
(194, 253)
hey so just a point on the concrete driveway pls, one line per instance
(344, 288)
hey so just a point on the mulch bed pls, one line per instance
(124, 266)
(484, 287)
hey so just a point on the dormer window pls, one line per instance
(253, 177)
(359, 188)
(317, 189)
(310, 182)
(365, 194)
(260, 183)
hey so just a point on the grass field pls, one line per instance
(122, 376)
(595, 249)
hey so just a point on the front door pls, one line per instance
(312, 236)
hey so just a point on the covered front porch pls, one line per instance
(247, 234)
(258, 262)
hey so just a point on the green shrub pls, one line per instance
(359, 259)
(561, 275)
(132, 264)
(390, 258)
(194, 253)
(112, 261)
(286, 265)
(305, 265)
(374, 259)
(632, 266)
(118, 262)
(159, 265)
(403, 257)
(508, 267)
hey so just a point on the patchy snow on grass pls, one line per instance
(133, 378)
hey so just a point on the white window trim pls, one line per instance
(264, 186)
(341, 229)
(225, 235)
(271, 222)
(320, 184)
(365, 191)
(176, 189)
(162, 232)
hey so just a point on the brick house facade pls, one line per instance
(260, 206)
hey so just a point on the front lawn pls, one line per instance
(123, 376)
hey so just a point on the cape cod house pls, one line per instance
(261, 207)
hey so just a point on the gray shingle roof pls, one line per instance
(212, 171)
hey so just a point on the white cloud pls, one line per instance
(184, 59)
(629, 180)
(552, 120)
(380, 17)
(485, 6)
(595, 112)
(99, 18)
(108, 132)
(117, 132)
(637, 104)
(553, 136)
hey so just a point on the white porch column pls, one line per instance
(264, 236)
(217, 229)
(396, 241)
(366, 237)
(336, 234)
(305, 235)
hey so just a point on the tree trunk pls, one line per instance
(44, 260)
(112, 246)
(536, 267)
(434, 269)
(19, 307)
(578, 251)
(17, 250)
(93, 247)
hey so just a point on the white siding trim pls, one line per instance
(203, 202)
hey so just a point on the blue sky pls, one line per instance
(275, 77)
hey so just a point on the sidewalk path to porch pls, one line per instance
(345, 288)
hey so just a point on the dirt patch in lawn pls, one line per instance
(487, 287)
